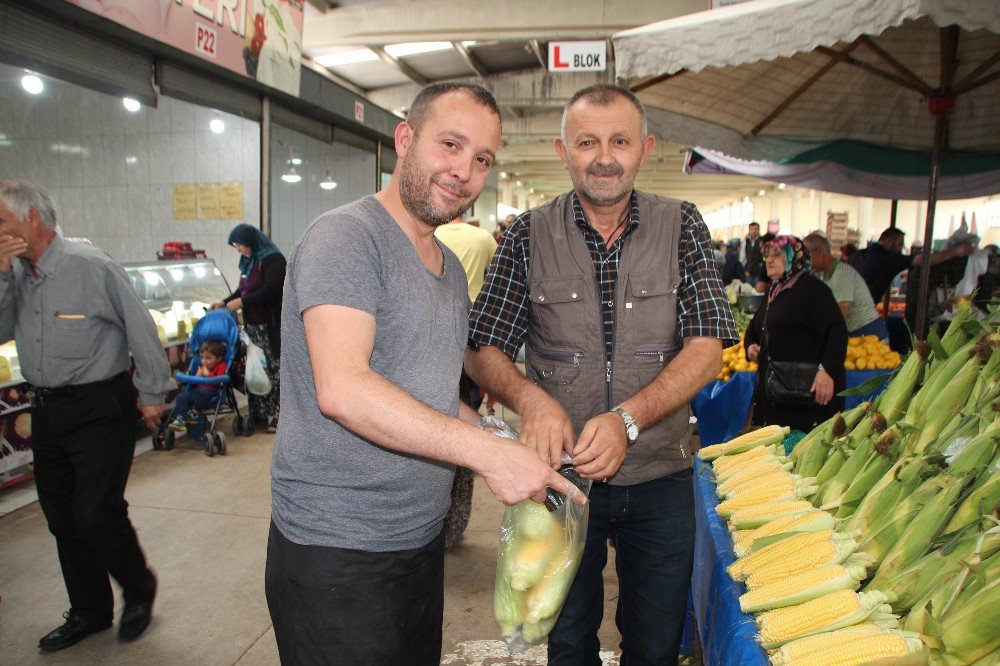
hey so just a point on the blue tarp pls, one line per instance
(728, 635)
(721, 407)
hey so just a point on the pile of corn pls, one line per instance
(878, 537)
(734, 359)
(867, 352)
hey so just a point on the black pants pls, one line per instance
(340, 606)
(83, 443)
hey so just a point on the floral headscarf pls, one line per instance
(796, 261)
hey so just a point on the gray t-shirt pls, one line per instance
(329, 486)
(847, 285)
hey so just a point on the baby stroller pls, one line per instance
(215, 325)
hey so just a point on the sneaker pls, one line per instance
(272, 426)
(177, 424)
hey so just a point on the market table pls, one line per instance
(727, 635)
(721, 407)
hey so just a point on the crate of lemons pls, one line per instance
(734, 359)
(864, 352)
(867, 352)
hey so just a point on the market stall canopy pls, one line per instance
(862, 170)
(775, 78)
(772, 79)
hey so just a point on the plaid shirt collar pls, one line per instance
(581, 218)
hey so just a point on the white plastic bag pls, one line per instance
(540, 550)
(255, 379)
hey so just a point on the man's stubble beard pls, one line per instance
(415, 194)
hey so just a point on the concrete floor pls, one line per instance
(203, 524)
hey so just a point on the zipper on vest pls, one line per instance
(560, 355)
(658, 354)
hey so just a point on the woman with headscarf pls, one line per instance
(802, 322)
(262, 279)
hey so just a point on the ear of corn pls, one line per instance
(725, 463)
(984, 499)
(788, 525)
(972, 631)
(835, 551)
(774, 481)
(531, 559)
(876, 467)
(752, 468)
(922, 530)
(836, 610)
(808, 543)
(803, 488)
(754, 516)
(760, 437)
(545, 599)
(802, 587)
(534, 521)
(790, 653)
(891, 645)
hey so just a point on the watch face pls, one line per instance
(633, 432)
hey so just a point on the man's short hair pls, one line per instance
(754, 224)
(21, 196)
(216, 348)
(813, 241)
(604, 94)
(425, 99)
(891, 234)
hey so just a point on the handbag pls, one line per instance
(788, 382)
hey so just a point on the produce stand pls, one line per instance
(727, 635)
(721, 407)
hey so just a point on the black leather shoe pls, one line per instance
(136, 616)
(72, 632)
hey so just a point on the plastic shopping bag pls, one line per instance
(540, 549)
(255, 378)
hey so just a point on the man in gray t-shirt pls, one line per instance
(848, 287)
(373, 337)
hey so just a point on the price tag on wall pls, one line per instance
(185, 202)
(208, 201)
(231, 201)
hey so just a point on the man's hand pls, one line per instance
(235, 304)
(216, 305)
(547, 428)
(601, 449)
(822, 387)
(10, 247)
(753, 351)
(517, 474)
(151, 414)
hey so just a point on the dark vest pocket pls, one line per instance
(651, 307)
(558, 314)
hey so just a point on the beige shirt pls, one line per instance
(474, 247)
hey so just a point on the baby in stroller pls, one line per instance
(196, 396)
(208, 386)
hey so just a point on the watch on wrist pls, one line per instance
(631, 429)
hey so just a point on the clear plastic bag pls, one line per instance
(540, 549)
(255, 378)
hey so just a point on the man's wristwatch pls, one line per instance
(631, 429)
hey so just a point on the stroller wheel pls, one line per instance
(168, 440)
(220, 443)
(207, 443)
(160, 435)
(238, 425)
(248, 427)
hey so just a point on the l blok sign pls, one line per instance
(578, 56)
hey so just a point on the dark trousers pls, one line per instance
(340, 606)
(196, 396)
(83, 443)
(651, 526)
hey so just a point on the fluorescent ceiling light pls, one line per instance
(295, 161)
(328, 183)
(217, 126)
(130, 104)
(346, 58)
(413, 48)
(469, 44)
(32, 84)
(291, 176)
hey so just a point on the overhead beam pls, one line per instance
(512, 20)
(406, 70)
(470, 60)
(536, 48)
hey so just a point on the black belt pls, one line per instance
(60, 392)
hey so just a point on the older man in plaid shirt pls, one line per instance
(617, 299)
